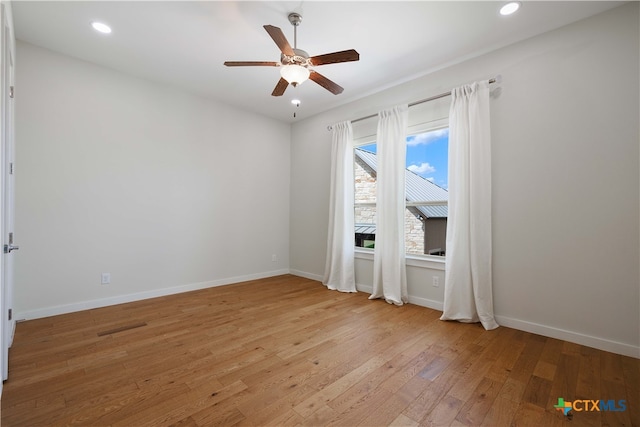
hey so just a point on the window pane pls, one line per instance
(426, 181)
(365, 174)
(365, 192)
(425, 235)
(428, 157)
(365, 226)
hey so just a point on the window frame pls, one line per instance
(435, 262)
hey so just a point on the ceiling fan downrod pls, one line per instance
(295, 19)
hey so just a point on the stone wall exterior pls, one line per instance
(413, 232)
(365, 182)
(365, 191)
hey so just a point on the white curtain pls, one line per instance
(467, 292)
(339, 273)
(389, 273)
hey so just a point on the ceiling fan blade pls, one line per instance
(251, 64)
(332, 87)
(280, 87)
(278, 36)
(335, 57)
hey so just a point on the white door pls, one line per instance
(8, 168)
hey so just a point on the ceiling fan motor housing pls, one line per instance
(300, 58)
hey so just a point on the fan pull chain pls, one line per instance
(297, 106)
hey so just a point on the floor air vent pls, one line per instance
(122, 329)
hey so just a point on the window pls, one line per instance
(365, 179)
(425, 193)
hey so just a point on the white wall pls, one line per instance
(565, 181)
(165, 190)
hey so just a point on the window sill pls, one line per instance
(425, 261)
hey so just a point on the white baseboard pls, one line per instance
(121, 299)
(535, 328)
(574, 337)
(422, 302)
(306, 275)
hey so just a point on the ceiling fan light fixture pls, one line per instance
(294, 74)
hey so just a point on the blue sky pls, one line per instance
(427, 155)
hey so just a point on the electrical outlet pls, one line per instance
(105, 279)
(274, 258)
(436, 282)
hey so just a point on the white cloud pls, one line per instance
(427, 137)
(422, 168)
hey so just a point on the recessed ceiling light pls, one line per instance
(510, 8)
(100, 27)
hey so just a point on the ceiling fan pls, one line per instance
(296, 64)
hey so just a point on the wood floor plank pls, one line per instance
(440, 386)
(289, 418)
(182, 406)
(337, 388)
(478, 405)
(403, 421)
(384, 414)
(631, 374)
(367, 384)
(267, 414)
(361, 409)
(528, 414)
(513, 390)
(611, 390)
(444, 413)
(526, 363)
(588, 382)
(538, 392)
(566, 379)
(289, 378)
(501, 413)
(544, 370)
(465, 386)
(286, 351)
(431, 396)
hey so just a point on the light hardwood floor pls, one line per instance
(286, 351)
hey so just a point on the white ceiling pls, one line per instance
(185, 43)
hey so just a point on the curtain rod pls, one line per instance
(496, 79)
